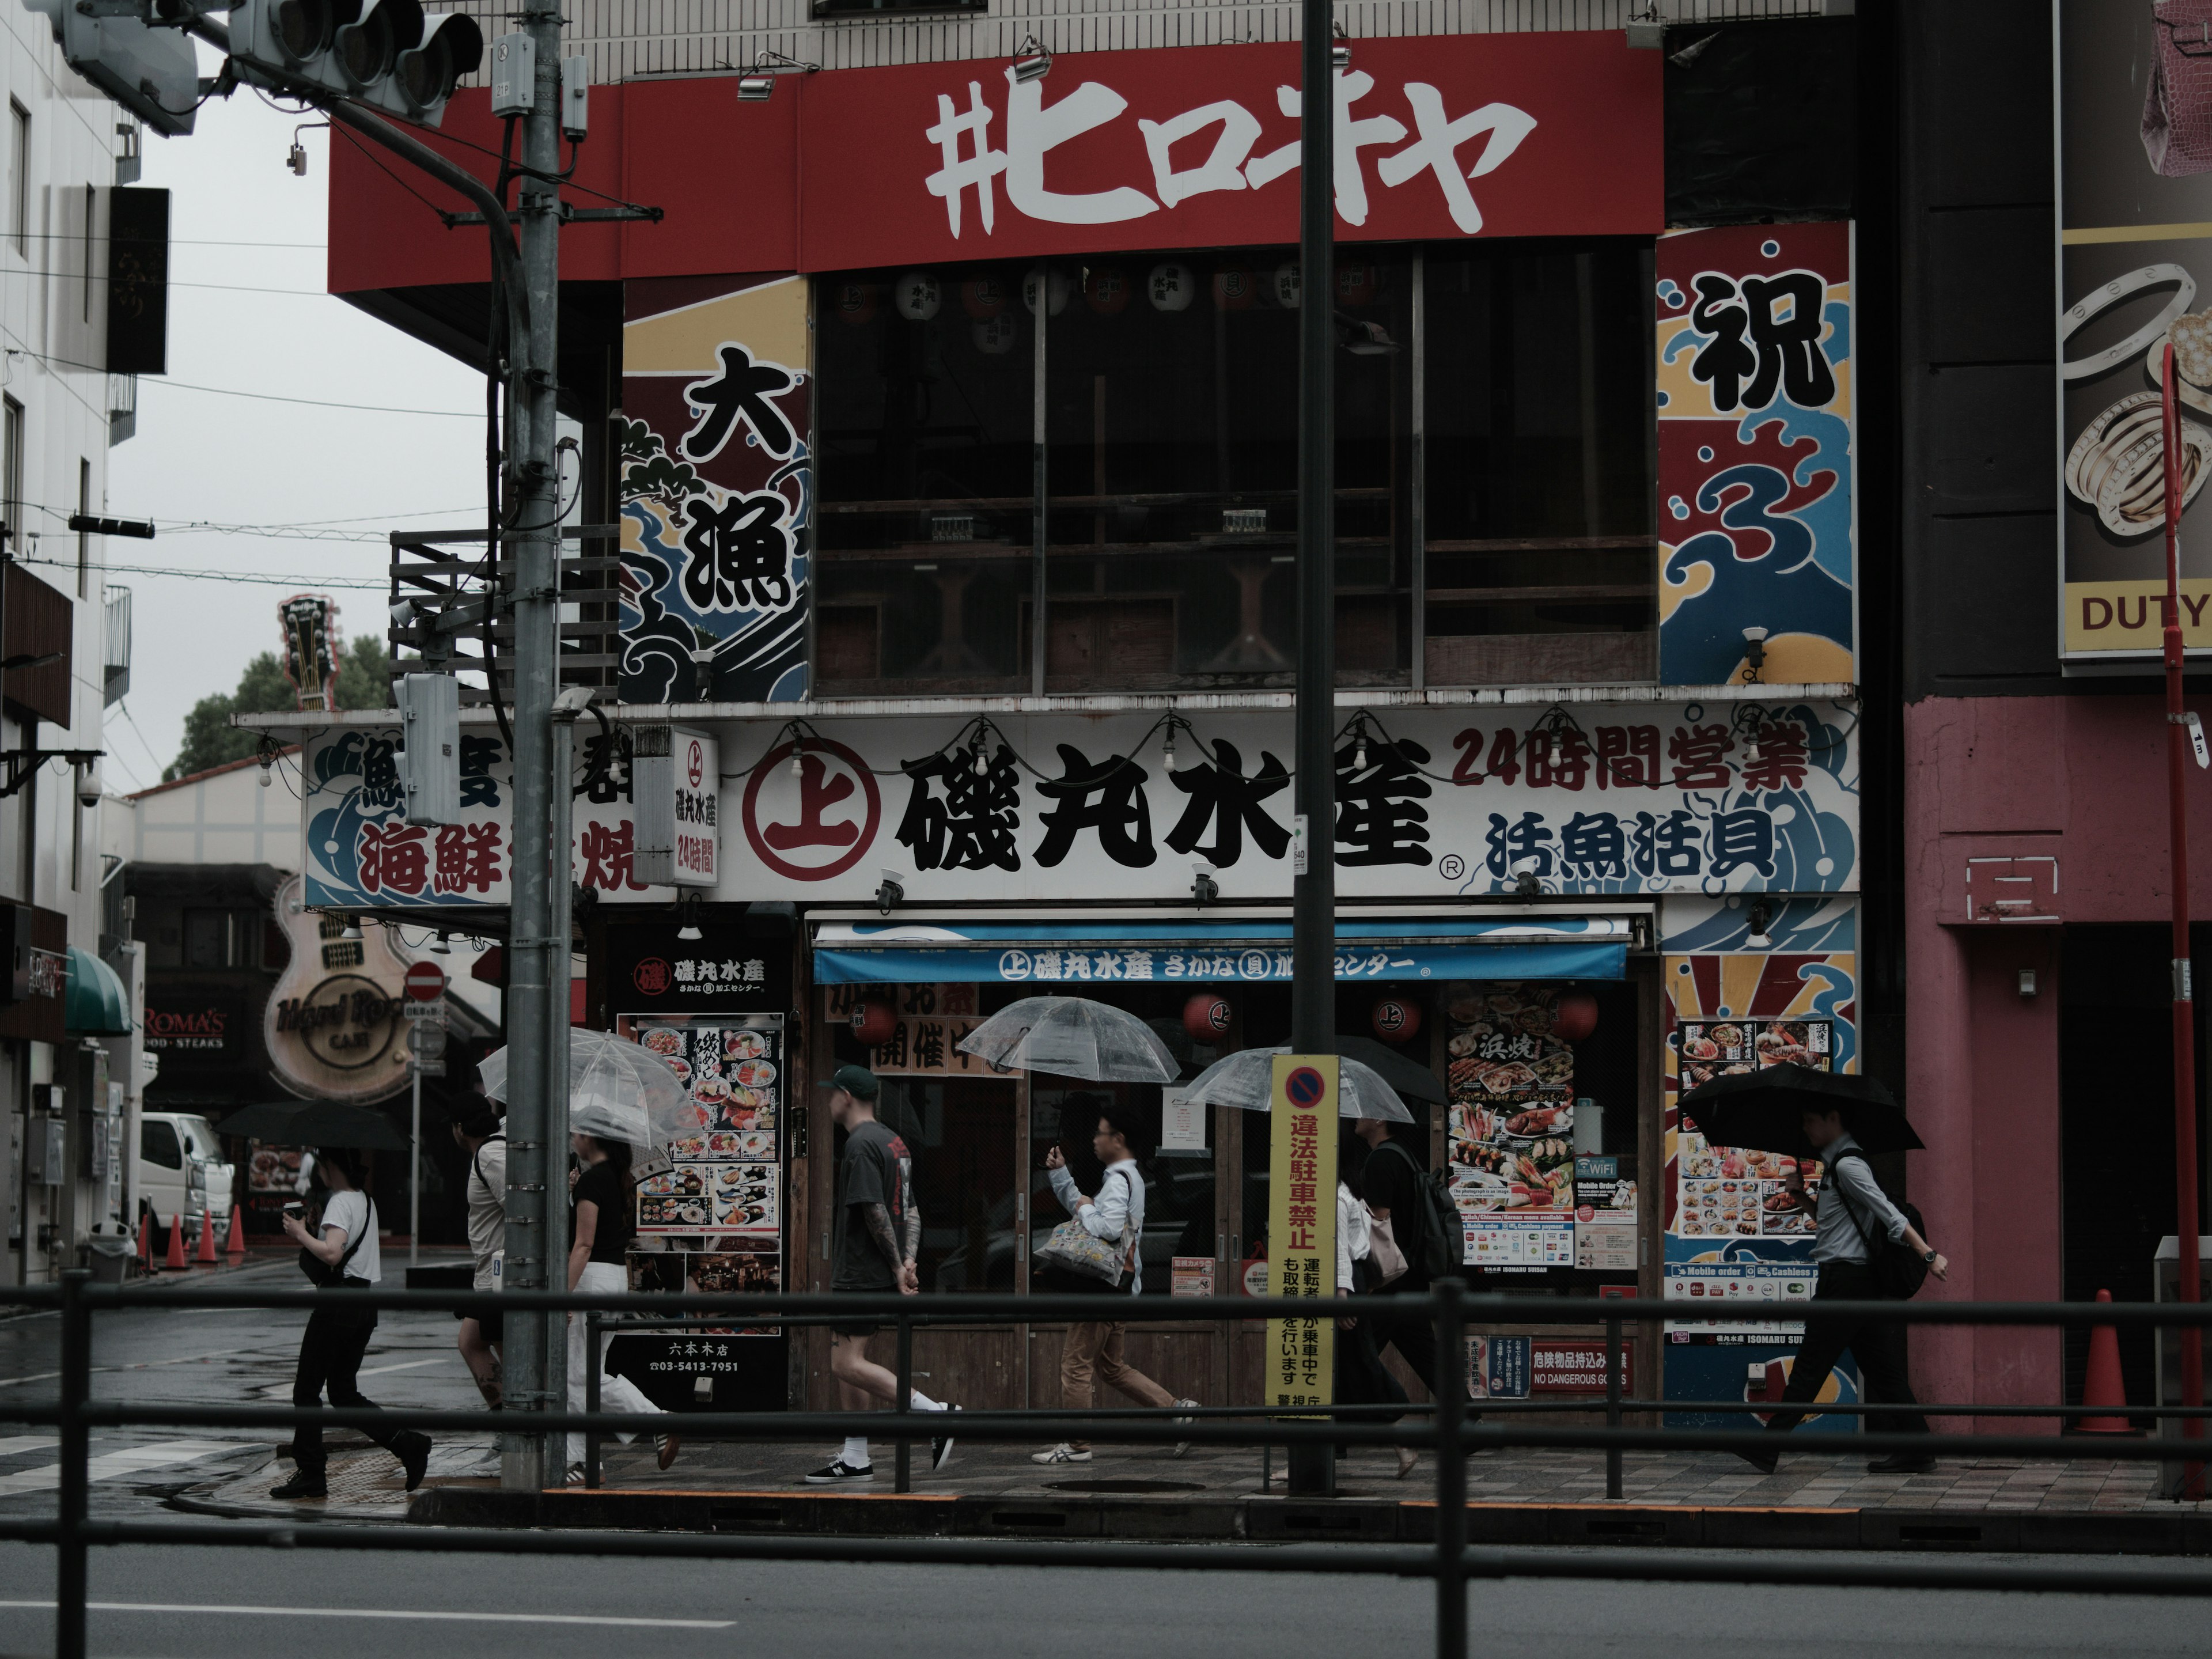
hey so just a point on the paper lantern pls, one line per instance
(1234, 288)
(984, 298)
(918, 296)
(1171, 287)
(1106, 290)
(1357, 283)
(1286, 284)
(856, 302)
(1207, 1016)
(1396, 1020)
(1574, 1016)
(1059, 288)
(874, 1024)
(996, 338)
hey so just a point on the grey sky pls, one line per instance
(236, 461)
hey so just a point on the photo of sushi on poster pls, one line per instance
(1511, 1129)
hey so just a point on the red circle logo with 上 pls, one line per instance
(820, 824)
(698, 764)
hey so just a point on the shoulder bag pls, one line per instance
(1899, 1272)
(2176, 118)
(1074, 1248)
(329, 1275)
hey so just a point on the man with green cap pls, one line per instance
(877, 1234)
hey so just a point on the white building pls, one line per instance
(68, 1096)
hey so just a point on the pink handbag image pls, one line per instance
(2177, 121)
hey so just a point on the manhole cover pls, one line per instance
(1125, 1486)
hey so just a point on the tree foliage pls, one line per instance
(210, 740)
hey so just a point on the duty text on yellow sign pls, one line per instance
(1301, 1368)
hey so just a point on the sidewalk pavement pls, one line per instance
(366, 1483)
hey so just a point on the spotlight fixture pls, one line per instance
(1204, 889)
(1339, 54)
(1754, 653)
(1762, 918)
(1031, 61)
(892, 891)
(1690, 53)
(687, 916)
(1167, 750)
(1527, 886)
(755, 88)
(444, 947)
(351, 931)
(757, 84)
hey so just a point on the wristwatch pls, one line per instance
(1928, 1257)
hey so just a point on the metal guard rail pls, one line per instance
(1450, 1563)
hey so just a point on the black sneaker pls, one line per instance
(940, 1448)
(413, 1451)
(841, 1474)
(1901, 1463)
(302, 1485)
(1764, 1461)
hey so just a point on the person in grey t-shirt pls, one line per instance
(1854, 1212)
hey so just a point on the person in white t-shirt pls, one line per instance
(337, 1334)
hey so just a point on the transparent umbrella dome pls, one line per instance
(1073, 1036)
(616, 1089)
(1246, 1082)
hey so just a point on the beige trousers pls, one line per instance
(1093, 1352)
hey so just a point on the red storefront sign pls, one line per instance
(1438, 137)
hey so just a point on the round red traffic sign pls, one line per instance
(426, 981)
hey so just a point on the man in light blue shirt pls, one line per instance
(1847, 1220)
(1093, 1347)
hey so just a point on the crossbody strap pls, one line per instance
(1851, 1209)
(370, 1203)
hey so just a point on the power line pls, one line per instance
(259, 577)
(262, 397)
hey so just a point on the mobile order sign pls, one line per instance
(1302, 1129)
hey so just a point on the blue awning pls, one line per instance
(1071, 952)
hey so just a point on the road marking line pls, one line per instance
(25, 1442)
(144, 1364)
(111, 1465)
(411, 1365)
(394, 1612)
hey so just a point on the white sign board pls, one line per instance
(1182, 1125)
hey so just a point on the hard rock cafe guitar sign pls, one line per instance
(334, 1028)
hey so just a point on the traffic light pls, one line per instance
(388, 54)
(151, 72)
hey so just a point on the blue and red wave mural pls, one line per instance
(1754, 395)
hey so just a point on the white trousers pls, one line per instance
(617, 1394)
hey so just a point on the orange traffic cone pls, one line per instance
(176, 1261)
(2102, 1385)
(236, 1248)
(205, 1257)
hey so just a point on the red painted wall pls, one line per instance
(2081, 781)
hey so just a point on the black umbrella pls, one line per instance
(1761, 1111)
(315, 1123)
(1412, 1079)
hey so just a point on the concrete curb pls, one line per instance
(1280, 1520)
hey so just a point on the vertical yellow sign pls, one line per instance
(1300, 1364)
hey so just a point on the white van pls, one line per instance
(179, 1165)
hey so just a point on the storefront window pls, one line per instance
(1538, 489)
(926, 459)
(962, 1133)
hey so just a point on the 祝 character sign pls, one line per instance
(717, 492)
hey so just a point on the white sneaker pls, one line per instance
(1182, 1447)
(1063, 1453)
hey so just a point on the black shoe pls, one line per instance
(1901, 1463)
(1764, 1461)
(302, 1485)
(940, 1446)
(841, 1474)
(413, 1451)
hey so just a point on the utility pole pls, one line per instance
(537, 1121)
(1313, 925)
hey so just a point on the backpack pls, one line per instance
(1437, 1241)
(1899, 1272)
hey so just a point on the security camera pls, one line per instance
(88, 787)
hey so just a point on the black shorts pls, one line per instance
(863, 1332)
(489, 1325)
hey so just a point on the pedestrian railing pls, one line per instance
(1442, 1427)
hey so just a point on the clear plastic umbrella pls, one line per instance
(616, 1091)
(1246, 1081)
(1073, 1036)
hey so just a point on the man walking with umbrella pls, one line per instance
(1846, 1225)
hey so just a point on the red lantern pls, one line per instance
(1396, 1021)
(1207, 1016)
(874, 1024)
(1574, 1017)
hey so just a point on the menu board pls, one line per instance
(1738, 1192)
(1512, 1126)
(725, 1172)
